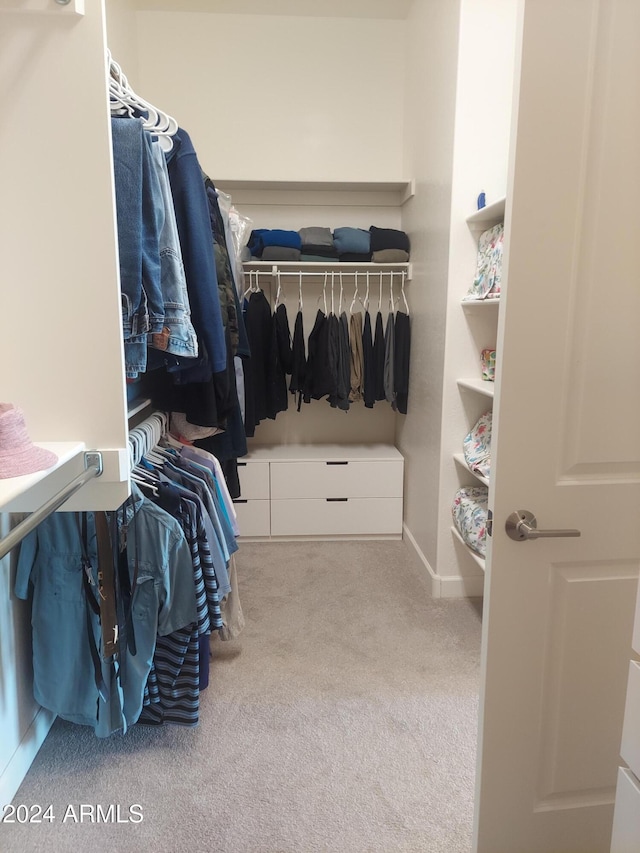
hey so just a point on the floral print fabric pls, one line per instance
(486, 284)
(477, 446)
(470, 512)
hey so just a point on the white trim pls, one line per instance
(448, 586)
(13, 774)
(430, 576)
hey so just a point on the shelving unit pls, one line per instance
(487, 216)
(475, 303)
(474, 556)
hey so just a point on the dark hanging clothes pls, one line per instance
(401, 361)
(368, 376)
(344, 364)
(258, 323)
(333, 325)
(389, 359)
(378, 359)
(318, 381)
(280, 361)
(298, 360)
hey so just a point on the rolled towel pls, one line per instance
(390, 256)
(280, 253)
(388, 238)
(315, 236)
(352, 240)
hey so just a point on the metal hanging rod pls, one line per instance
(93, 468)
(336, 273)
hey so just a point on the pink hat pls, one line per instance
(18, 454)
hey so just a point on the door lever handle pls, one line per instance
(523, 525)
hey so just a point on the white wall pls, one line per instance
(122, 37)
(278, 97)
(431, 49)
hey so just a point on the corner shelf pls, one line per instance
(480, 386)
(475, 303)
(460, 460)
(474, 556)
(486, 216)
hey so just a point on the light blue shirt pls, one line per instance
(164, 601)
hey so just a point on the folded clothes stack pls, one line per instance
(353, 244)
(275, 244)
(389, 246)
(317, 244)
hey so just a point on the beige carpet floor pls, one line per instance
(343, 719)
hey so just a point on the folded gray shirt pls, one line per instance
(316, 236)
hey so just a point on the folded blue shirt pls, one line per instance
(352, 241)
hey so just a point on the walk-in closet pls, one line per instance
(424, 581)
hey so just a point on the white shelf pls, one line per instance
(480, 386)
(323, 452)
(475, 557)
(136, 406)
(459, 458)
(477, 302)
(370, 193)
(14, 487)
(492, 213)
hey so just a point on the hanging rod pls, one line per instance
(335, 273)
(92, 468)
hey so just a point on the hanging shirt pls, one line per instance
(378, 359)
(164, 600)
(389, 357)
(402, 359)
(356, 356)
(299, 360)
(368, 364)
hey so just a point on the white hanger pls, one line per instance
(380, 295)
(365, 304)
(300, 292)
(391, 301)
(404, 296)
(341, 294)
(278, 290)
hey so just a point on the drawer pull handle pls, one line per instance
(241, 464)
(337, 463)
(336, 500)
(241, 501)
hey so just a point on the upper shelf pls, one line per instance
(349, 193)
(474, 302)
(481, 386)
(13, 488)
(489, 215)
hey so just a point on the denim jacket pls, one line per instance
(164, 601)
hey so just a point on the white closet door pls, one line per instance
(559, 611)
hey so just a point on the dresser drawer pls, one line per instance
(253, 517)
(626, 817)
(630, 749)
(354, 516)
(337, 479)
(254, 480)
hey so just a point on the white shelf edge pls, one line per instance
(137, 406)
(348, 268)
(405, 185)
(476, 302)
(459, 458)
(475, 557)
(480, 386)
(491, 213)
(14, 487)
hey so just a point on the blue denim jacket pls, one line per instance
(164, 601)
(182, 338)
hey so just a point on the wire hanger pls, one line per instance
(380, 295)
(332, 294)
(341, 293)
(300, 291)
(365, 304)
(391, 301)
(404, 296)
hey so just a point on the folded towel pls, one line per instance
(390, 256)
(355, 257)
(324, 251)
(280, 253)
(315, 236)
(388, 238)
(261, 237)
(352, 240)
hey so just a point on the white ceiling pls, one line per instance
(304, 8)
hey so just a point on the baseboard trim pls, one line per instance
(444, 586)
(13, 774)
(431, 578)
